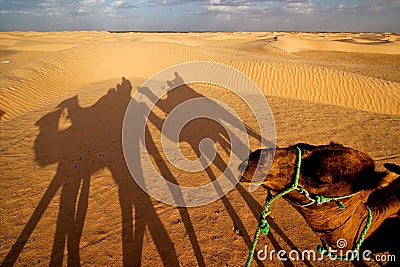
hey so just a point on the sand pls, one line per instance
(321, 87)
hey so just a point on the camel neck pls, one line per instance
(331, 224)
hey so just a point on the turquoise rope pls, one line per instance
(263, 223)
(318, 199)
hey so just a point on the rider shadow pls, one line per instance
(91, 141)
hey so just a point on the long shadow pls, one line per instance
(91, 142)
(217, 133)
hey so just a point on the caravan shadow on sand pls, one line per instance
(93, 142)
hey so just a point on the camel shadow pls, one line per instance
(92, 141)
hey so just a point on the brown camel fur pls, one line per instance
(331, 171)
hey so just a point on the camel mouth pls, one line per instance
(245, 176)
(252, 168)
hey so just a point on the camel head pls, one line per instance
(328, 170)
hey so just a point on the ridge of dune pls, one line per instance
(43, 47)
(296, 44)
(29, 86)
(322, 85)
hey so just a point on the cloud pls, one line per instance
(123, 4)
(253, 10)
(34, 7)
(299, 7)
(258, 9)
(379, 5)
(22, 5)
(119, 7)
(88, 2)
(363, 7)
(174, 2)
(51, 7)
(230, 9)
(223, 2)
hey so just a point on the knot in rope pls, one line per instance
(321, 249)
(321, 199)
(263, 223)
(318, 199)
(264, 226)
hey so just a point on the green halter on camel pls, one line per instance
(264, 226)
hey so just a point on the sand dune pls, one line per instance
(86, 59)
(61, 109)
(296, 44)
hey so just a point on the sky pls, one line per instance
(195, 15)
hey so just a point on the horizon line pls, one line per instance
(202, 31)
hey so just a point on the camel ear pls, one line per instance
(391, 175)
(371, 180)
(392, 167)
(387, 179)
(376, 181)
